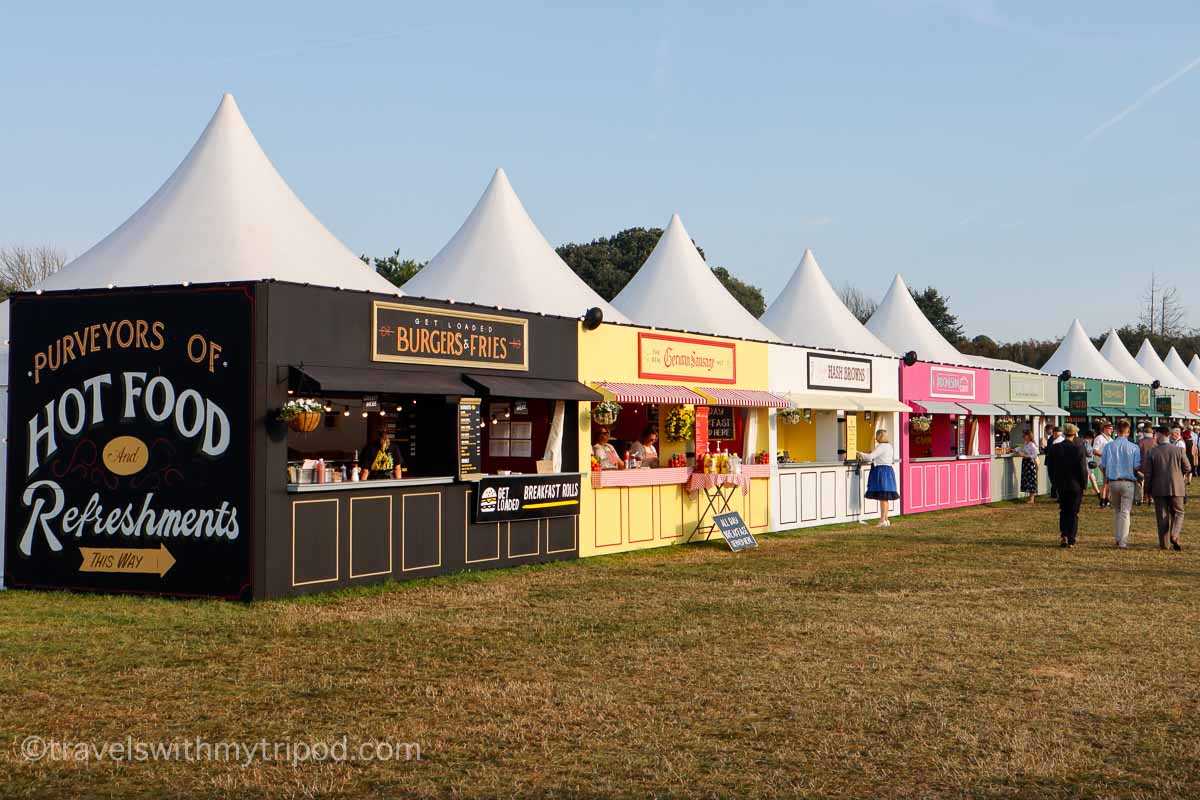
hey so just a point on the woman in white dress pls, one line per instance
(881, 485)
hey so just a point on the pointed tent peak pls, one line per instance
(1077, 354)
(224, 214)
(899, 323)
(675, 288)
(809, 312)
(1114, 351)
(1148, 358)
(1174, 362)
(1194, 365)
(498, 257)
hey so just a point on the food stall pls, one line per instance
(842, 384)
(1029, 402)
(699, 394)
(205, 440)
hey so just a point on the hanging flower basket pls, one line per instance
(920, 424)
(1005, 424)
(679, 425)
(790, 416)
(606, 413)
(302, 414)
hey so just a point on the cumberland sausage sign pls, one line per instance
(662, 357)
(421, 335)
(129, 453)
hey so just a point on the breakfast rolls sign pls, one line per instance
(129, 454)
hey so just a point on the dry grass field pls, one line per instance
(960, 654)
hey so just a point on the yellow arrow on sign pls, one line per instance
(127, 559)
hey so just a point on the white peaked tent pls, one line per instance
(1194, 365)
(899, 324)
(1116, 354)
(809, 312)
(674, 288)
(1077, 354)
(1002, 364)
(1174, 362)
(225, 214)
(1155, 366)
(500, 258)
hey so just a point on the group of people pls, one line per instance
(1159, 467)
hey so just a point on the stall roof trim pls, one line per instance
(934, 407)
(983, 409)
(650, 393)
(321, 379)
(1019, 410)
(500, 258)
(745, 398)
(225, 214)
(824, 401)
(534, 388)
(869, 403)
(1053, 411)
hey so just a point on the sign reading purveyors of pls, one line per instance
(663, 357)
(507, 498)
(843, 373)
(420, 335)
(130, 451)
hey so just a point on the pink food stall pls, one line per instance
(945, 441)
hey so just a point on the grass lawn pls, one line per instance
(960, 654)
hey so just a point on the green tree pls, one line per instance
(608, 263)
(936, 309)
(394, 268)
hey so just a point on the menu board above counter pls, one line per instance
(470, 449)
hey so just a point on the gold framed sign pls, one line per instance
(418, 335)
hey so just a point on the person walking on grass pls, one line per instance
(1166, 472)
(1145, 445)
(881, 484)
(1053, 436)
(1100, 441)
(1029, 466)
(1067, 464)
(1120, 462)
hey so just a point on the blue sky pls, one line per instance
(995, 150)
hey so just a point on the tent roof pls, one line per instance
(899, 324)
(500, 258)
(1077, 353)
(1194, 365)
(1114, 350)
(674, 288)
(225, 214)
(809, 312)
(1155, 366)
(1175, 363)
(1005, 364)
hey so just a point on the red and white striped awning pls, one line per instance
(650, 393)
(748, 398)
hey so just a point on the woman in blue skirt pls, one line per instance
(881, 485)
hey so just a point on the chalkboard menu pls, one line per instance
(470, 450)
(736, 534)
(720, 423)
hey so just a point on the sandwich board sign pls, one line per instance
(736, 534)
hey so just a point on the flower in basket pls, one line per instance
(1005, 424)
(790, 415)
(606, 413)
(302, 413)
(921, 424)
(679, 425)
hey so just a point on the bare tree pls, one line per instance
(855, 299)
(1162, 308)
(21, 267)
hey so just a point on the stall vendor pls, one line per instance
(645, 449)
(604, 452)
(381, 457)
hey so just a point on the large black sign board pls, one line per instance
(720, 424)
(1163, 405)
(506, 498)
(420, 335)
(470, 447)
(130, 453)
(736, 534)
(1077, 401)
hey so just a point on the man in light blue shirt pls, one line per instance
(1121, 460)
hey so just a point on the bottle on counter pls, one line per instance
(320, 471)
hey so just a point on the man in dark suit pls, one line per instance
(1067, 466)
(1166, 470)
